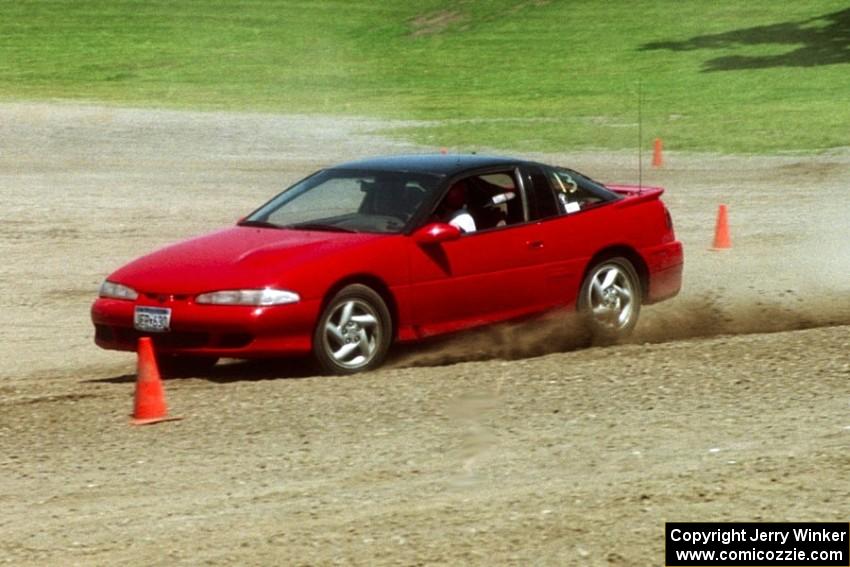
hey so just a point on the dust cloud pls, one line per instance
(705, 316)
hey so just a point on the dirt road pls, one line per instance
(493, 448)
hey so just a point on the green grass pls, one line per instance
(525, 75)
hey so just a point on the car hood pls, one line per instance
(234, 258)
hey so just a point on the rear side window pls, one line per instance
(575, 193)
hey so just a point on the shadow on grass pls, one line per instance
(823, 40)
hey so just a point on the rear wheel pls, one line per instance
(610, 299)
(354, 331)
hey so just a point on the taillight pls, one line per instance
(669, 219)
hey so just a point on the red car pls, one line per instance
(361, 255)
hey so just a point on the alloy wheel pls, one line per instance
(352, 333)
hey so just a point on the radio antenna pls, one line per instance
(640, 135)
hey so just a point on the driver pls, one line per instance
(453, 209)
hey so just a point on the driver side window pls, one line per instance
(482, 202)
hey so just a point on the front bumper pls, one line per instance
(210, 330)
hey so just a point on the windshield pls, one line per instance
(348, 200)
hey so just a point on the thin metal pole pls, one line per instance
(640, 134)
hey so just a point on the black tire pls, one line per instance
(358, 343)
(181, 365)
(610, 313)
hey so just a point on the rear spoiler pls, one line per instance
(635, 194)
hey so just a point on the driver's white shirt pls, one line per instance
(463, 220)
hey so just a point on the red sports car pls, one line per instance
(361, 255)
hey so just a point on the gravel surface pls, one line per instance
(507, 446)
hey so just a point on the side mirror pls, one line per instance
(436, 233)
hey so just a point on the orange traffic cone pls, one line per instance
(149, 406)
(721, 230)
(657, 158)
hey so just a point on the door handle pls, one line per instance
(534, 244)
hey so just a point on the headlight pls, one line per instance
(117, 291)
(266, 296)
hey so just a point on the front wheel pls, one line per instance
(610, 300)
(354, 332)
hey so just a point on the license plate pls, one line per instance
(152, 319)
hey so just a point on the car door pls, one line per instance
(574, 224)
(484, 276)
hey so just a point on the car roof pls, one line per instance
(438, 164)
